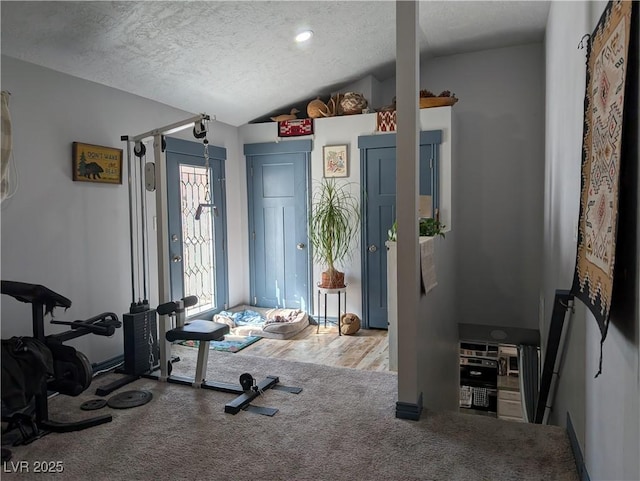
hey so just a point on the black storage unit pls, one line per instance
(141, 348)
(479, 376)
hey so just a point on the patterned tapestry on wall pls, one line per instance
(607, 55)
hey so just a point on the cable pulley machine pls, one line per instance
(142, 349)
(148, 346)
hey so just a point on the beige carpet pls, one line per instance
(341, 427)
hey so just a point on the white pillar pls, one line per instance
(407, 188)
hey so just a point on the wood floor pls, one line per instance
(368, 349)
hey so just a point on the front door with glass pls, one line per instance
(197, 244)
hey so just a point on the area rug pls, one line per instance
(230, 343)
(607, 58)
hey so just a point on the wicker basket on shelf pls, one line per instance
(426, 102)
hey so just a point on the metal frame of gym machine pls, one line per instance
(153, 177)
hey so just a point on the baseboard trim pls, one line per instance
(409, 411)
(108, 364)
(577, 452)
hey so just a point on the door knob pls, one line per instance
(176, 259)
(300, 246)
(373, 248)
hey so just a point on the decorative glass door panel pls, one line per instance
(197, 243)
(198, 240)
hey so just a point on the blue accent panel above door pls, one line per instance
(290, 146)
(191, 147)
(389, 140)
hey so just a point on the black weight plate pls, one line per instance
(93, 404)
(84, 367)
(129, 399)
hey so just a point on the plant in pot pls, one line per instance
(334, 221)
(427, 226)
(431, 227)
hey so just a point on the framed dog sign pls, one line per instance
(95, 163)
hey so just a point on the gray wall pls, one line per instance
(605, 410)
(499, 179)
(73, 237)
(438, 352)
(370, 87)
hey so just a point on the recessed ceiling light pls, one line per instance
(304, 36)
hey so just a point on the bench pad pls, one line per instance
(198, 330)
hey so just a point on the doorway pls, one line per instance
(197, 247)
(378, 170)
(278, 177)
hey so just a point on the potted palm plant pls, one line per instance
(334, 221)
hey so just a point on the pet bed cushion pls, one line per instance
(256, 321)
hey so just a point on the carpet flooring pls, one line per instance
(342, 426)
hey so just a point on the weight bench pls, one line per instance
(202, 331)
(205, 332)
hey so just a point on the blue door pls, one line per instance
(198, 263)
(277, 185)
(380, 212)
(378, 165)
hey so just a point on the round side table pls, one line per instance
(340, 292)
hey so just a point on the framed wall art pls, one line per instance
(335, 160)
(95, 163)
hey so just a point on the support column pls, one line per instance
(407, 188)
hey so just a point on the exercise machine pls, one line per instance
(147, 344)
(73, 372)
(141, 345)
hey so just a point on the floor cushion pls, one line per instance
(274, 323)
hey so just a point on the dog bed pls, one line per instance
(265, 322)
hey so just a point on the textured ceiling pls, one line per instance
(237, 60)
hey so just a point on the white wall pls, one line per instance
(345, 130)
(500, 172)
(605, 410)
(73, 237)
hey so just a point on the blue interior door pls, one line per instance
(380, 214)
(279, 255)
(198, 263)
(379, 201)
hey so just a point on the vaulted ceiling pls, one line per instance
(238, 60)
